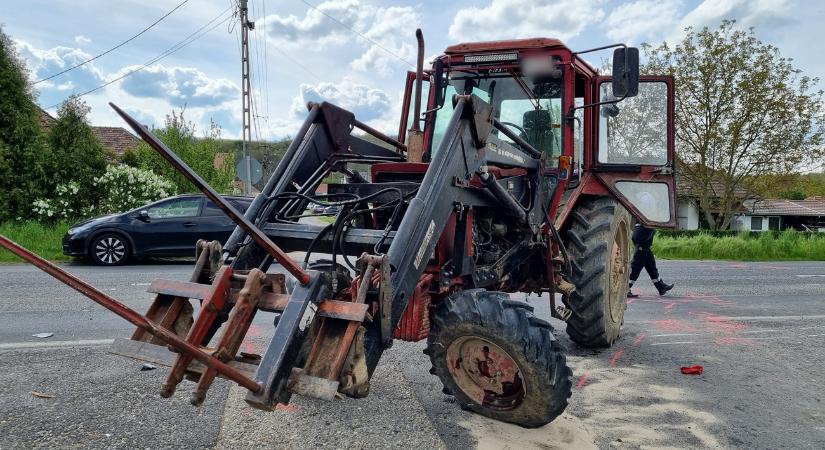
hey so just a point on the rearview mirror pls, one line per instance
(625, 72)
(143, 215)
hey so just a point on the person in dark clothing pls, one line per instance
(643, 258)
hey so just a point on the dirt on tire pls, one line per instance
(600, 227)
(510, 327)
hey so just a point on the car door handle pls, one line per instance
(189, 224)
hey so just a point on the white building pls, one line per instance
(778, 214)
(687, 214)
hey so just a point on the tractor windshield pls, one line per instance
(531, 109)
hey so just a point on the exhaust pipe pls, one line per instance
(415, 141)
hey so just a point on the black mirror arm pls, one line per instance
(570, 115)
(606, 102)
(603, 48)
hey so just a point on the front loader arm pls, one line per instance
(457, 159)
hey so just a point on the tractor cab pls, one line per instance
(598, 135)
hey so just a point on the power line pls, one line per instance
(358, 33)
(113, 48)
(181, 44)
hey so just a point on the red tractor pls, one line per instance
(518, 168)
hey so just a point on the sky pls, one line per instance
(353, 53)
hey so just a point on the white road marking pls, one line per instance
(673, 343)
(54, 344)
(677, 334)
(811, 275)
(758, 331)
(753, 318)
(796, 336)
(776, 318)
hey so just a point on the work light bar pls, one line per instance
(493, 57)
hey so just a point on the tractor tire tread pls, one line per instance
(588, 237)
(515, 329)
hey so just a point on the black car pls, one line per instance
(169, 227)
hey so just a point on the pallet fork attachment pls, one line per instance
(324, 342)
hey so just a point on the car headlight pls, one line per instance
(75, 230)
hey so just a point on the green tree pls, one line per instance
(22, 148)
(76, 153)
(202, 154)
(742, 111)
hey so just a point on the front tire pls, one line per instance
(498, 359)
(109, 249)
(598, 243)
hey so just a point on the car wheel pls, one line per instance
(109, 250)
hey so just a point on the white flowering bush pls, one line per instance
(63, 205)
(126, 187)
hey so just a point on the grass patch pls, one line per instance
(327, 219)
(788, 245)
(44, 240)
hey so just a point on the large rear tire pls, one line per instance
(598, 243)
(498, 359)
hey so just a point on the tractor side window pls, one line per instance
(540, 127)
(634, 131)
(578, 135)
(442, 118)
(425, 94)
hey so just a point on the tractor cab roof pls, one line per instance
(515, 44)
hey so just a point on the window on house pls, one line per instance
(774, 223)
(756, 223)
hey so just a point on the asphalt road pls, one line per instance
(757, 328)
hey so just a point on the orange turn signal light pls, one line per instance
(565, 163)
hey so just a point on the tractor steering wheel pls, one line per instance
(511, 124)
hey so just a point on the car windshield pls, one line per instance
(531, 109)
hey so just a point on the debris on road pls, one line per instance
(146, 367)
(43, 335)
(41, 394)
(693, 370)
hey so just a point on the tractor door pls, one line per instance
(634, 152)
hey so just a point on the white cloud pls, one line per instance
(387, 31)
(762, 14)
(82, 40)
(179, 85)
(633, 23)
(45, 63)
(366, 102)
(511, 19)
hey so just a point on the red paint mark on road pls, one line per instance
(716, 323)
(639, 340)
(673, 325)
(583, 380)
(286, 408)
(616, 357)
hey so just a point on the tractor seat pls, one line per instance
(537, 124)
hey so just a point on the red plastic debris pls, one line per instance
(693, 370)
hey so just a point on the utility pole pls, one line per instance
(246, 25)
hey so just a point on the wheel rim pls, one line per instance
(110, 250)
(618, 273)
(485, 373)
